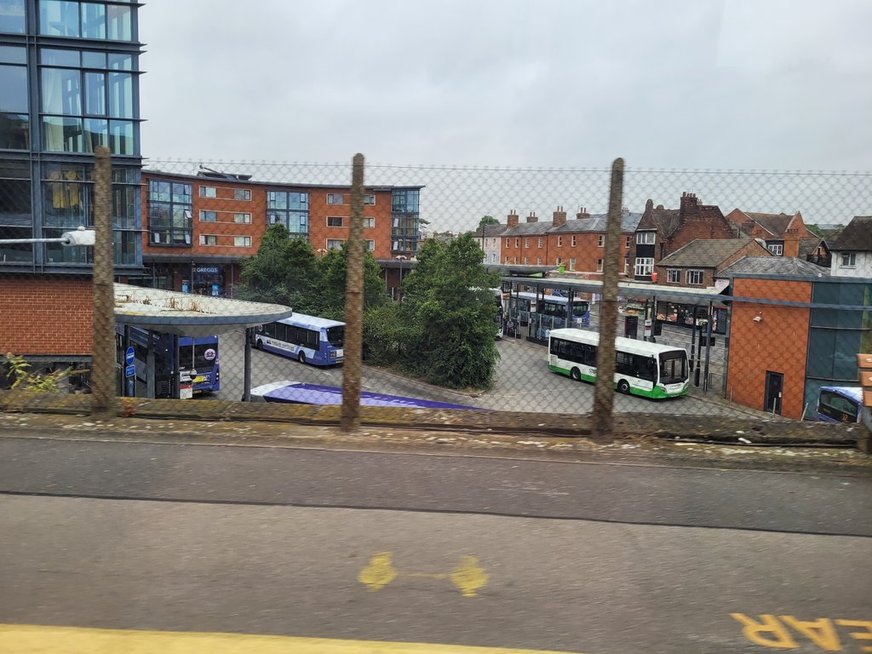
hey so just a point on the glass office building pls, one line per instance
(69, 81)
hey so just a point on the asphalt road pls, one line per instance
(475, 551)
(523, 383)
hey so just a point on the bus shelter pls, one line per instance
(704, 312)
(176, 316)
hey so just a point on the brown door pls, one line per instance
(774, 390)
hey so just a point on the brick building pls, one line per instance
(782, 233)
(699, 262)
(577, 244)
(661, 232)
(70, 82)
(200, 228)
(852, 249)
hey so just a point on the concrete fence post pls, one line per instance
(604, 390)
(104, 404)
(351, 372)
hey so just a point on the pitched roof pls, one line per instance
(807, 246)
(492, 229)
(857, 236)
(665, 221)
(706, 252)
(793, 266)
(774, 223)
(598, 223)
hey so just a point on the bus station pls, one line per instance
(167, 342)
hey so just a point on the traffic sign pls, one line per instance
(130, 371)
(128, 356)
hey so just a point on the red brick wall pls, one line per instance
(319, 211)
(778, 342)
(45, 315)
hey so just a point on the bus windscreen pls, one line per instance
(673, 367)
(336, 336)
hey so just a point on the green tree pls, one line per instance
(327, 295)
(487, 220)
(452, 314)
(283, 271)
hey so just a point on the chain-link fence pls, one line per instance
(737, 293)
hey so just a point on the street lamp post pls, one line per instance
(400, 258)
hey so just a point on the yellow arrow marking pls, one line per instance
(468, 577)
(34, 639)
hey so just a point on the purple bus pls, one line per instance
(292, 392)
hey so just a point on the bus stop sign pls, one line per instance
(128, 356)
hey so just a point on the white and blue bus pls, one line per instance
(641, 368)
(308, 339)
(840, 404)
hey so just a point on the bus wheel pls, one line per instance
(301, 357)
(624, 387)
(258, 344)
(575, 374)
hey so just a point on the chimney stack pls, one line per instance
(512, 219)
(559, 217)
(689, 203)
(582, 214)
(532, 218)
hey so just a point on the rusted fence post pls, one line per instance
(351, 371)
(103, 402)
(604, 390)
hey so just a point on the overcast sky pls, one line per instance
(775, 84)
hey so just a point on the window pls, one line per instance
(335, 198)
(368, 223)
(241, 194)
(849, 259)
(370, 245)
(14, 118)
(694, 277)
(88, 20)
(560, 241)
(288, 208)
(539, 242)
(208, 239)
(242, 241)
(645, 238)
(572, 261)
(242, 218)
(601, 240)
(775, 248)
(170, 213)
(673, 276)
(84, 108)
(517, 242)
(526, 260)
(493, 257)
(208, 192)
(599, 265)
(334, 243)
(12, 17)
(506, 260)
(208, 216)
(572, 240)
(334, 221)
(538, 261)
(558, 261)
(644, 266)
(369, 200)
(526, 242)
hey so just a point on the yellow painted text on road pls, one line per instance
(33, 639)
(788, 632)
(468, 577)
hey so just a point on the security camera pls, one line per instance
(81, 236)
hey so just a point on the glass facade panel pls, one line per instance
(14, 131)
(290, 209)
(94, 59)
(13, 89)
(119, 23)
(62, 134)
(95, 94)
(120, 95)
(12, 54)
(170, 218)
(15, 212)
(93, 20)
(52, 57)
(61, 92)
(121, 137)
(12, 16)
(118, 61)
(59, 18)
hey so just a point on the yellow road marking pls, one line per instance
(35, 639)
(468, 577)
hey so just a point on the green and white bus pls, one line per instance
(641, 368)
